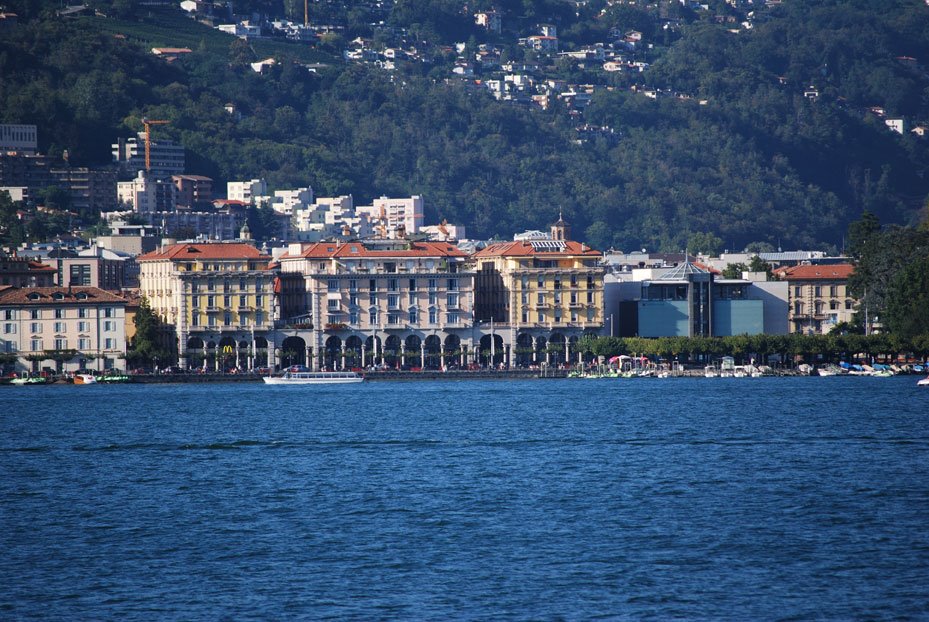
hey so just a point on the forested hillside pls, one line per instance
(735, 155)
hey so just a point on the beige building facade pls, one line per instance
(42, 325)
(384, 303)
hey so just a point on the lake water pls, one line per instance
(770, 498)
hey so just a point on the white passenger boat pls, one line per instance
(315, 377)
(85, 379)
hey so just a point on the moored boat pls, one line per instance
(85, 379)
(924, 382)
(315, 377)
(24, 380)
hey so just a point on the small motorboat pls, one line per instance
(924, 382)
(85, 379)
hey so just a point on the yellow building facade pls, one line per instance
(218, 296)
(541, 296)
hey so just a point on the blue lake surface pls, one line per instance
(741, 499)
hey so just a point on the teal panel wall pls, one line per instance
(738, 317)
(663, 318)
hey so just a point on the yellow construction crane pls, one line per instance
(148, 123)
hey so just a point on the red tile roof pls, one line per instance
(820, 272)
(65, 296)
(525, 249)
(326, 250)
(215, 250)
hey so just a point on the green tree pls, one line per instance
(146, 349)
(907, 310)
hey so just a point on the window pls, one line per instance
(211, 320)
(390, 266)
(412, 285)
(393, 318)
(432, 285)
(59, 327)
(393, 301)
(798, 308)
(573, 298)
(372, 317)
(259, 317)
(35, 345)
(195, 319)
(590, 281)
(411, 297)
(82, 312)
(353, 285)
(83, 327)
(818, 307)
(353, 317)
(243, 301)
(109, 326)
(195, 301)
(372, 284)
(573, 280)
(34, 314)
(524, 298)
(211, 284)
(451, 301)
(453, 318)
(108, 312)
(833, 305)
(109, 343)
(557, 316)
(242, 284)
(833, 291)
(332, 319)
(59, 313)
(413, 315)
(541, 317)
(9, 328)
(83, 343)
(453, 285)
(227, 301)
(524, 281)
(525, 317)
(558, 297)
(259, 301)
(541, 281)
(391, 285)
(227, 319)
(557, 282)
(590, 297)
(353, 300)
(817, 291)
(433, 298)
(574, 316)
(8, 314)
(372, 297)
(80, 274)
(210, 302)
(333, 304)
(540, 298)
(433, 316)
(194, 288)
(333, 285)
(36, 327)
(849, 305)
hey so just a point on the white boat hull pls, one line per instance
(315, 378)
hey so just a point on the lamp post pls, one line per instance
(493, 349)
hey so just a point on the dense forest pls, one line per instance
(735, 156)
